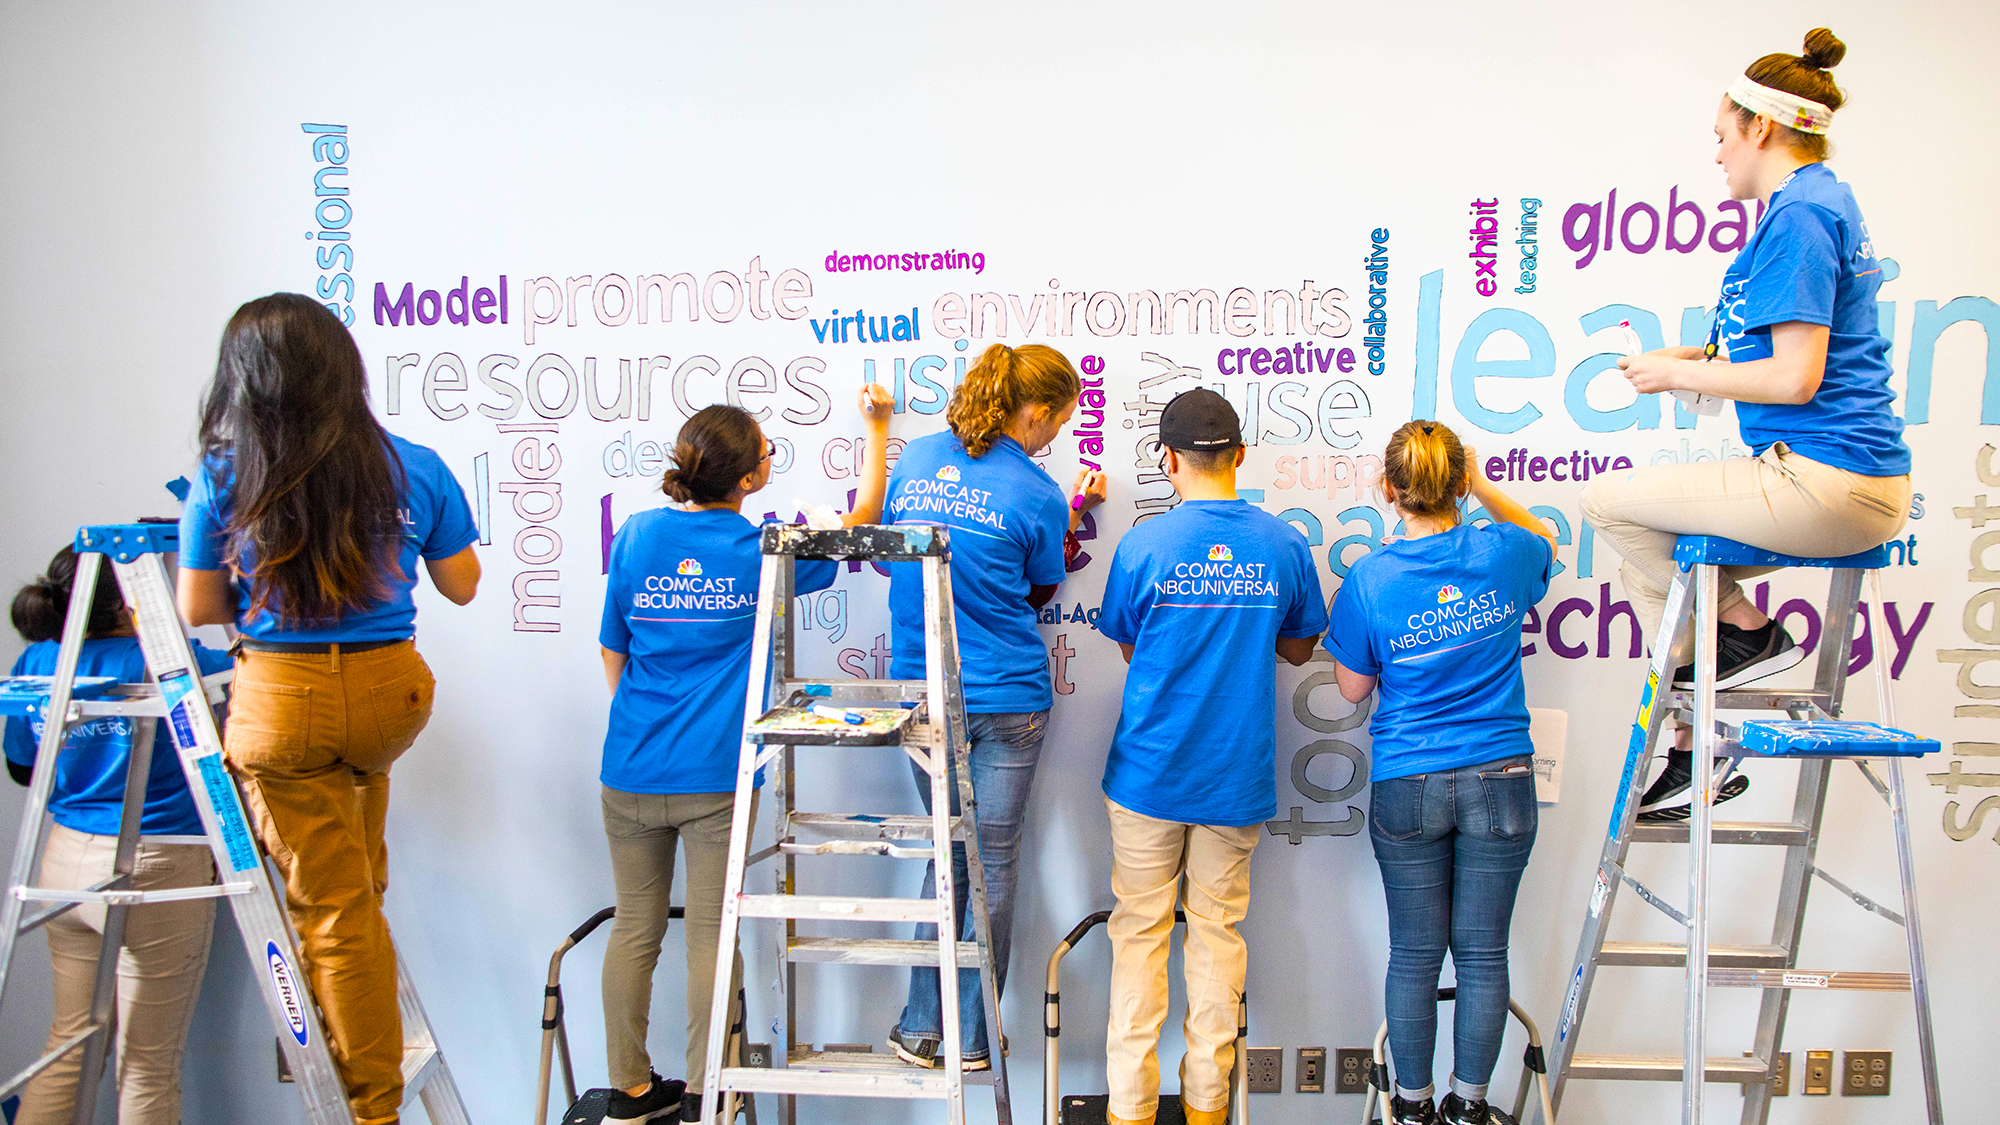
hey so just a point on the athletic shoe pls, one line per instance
(928, 1053)
(662, 1100)
(1420, 1112)
(1744, 656)
(1457, 1111)
(1667, 800)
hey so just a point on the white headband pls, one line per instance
(1802, 114)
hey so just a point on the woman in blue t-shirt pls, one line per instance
(1808, 368)
(303, 529)
(165, 946)
(1010, 537)
(1434, 620)
(680, 606)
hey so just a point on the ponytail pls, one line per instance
(1804, 76)
(1000, 383)
(41, 606)
(715, 450)
(1425, 463)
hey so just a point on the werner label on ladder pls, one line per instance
(1815, 736)
(180, 694)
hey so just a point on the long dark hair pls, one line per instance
(314, 518)
(715, 450)
(40, 606)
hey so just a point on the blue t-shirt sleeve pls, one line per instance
(614, 632)
(1045, 544)
(1306, 617)
(1796, 270)
(1119, 617)
(1538, 563)
(19, 744)
(453, 530)
(810, 576)
(203, 541)
(210, 660)
(1349, 638)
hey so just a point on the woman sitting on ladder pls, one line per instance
(1797, 345)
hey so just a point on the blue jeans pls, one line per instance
(1452, 846)
(1005, 750)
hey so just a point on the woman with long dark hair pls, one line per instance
(303, 529)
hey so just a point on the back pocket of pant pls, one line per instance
(269, 724)
(1510, 803)
(403, 708)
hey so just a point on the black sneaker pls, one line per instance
(1457, 1111)
(1404, 1112)
(661, 1100)
(929, 1053)
(1744, 656)
(1667, 800)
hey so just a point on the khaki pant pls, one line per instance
(311, 737)
(1779, 501)
(643, 829)
(159, 976)
(1149, 860)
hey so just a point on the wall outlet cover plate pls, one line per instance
(1266, 1066)
(1350, 1069)
(1864, 1074)
(1312, 1070)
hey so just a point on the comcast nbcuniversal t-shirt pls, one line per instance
(681, 603)
(1007, 520)
(1202, 593)
(1439, 620)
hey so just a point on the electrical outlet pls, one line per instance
(284, 1068)
(1350, 1070)
(1267, 1070)
(1312, 1070)
(1864, 1074)
(1819, 1072)
(757, 1054)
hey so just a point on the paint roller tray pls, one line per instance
(26, 696)
(795, 723)
(1792, 738)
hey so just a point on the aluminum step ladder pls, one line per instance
(1816, 737)
(179, 693)
(925, 719)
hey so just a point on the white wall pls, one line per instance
(157, 175)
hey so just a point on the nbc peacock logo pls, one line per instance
(688, 566)
(1449, 593)
(1219, 553)
(949, 472)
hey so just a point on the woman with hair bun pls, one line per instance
(1434, 619)
(165, 947)
(1797, 344)
(680, 606)
(1010, 536)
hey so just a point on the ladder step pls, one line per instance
(1673, 955)
(861, 826)
(840, 908)
(851, 1075)
(1777, 833)
(794, 725)
(877, 951)
(1766, 700)
(419, 1064)
(858, 691)
(1796, 978)
(1663, 1068)
(859, 847)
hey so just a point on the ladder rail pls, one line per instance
(946, 730)
(1700, 846)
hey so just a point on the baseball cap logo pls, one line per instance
(1219, 553)
(949, 472)
(688, 566)
(1449, 593)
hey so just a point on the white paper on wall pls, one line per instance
(1548, 729)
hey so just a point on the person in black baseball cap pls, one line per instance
(1198, 599)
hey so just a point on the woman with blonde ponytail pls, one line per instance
(1434, 619)
(1010, 536)
(680, 604)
